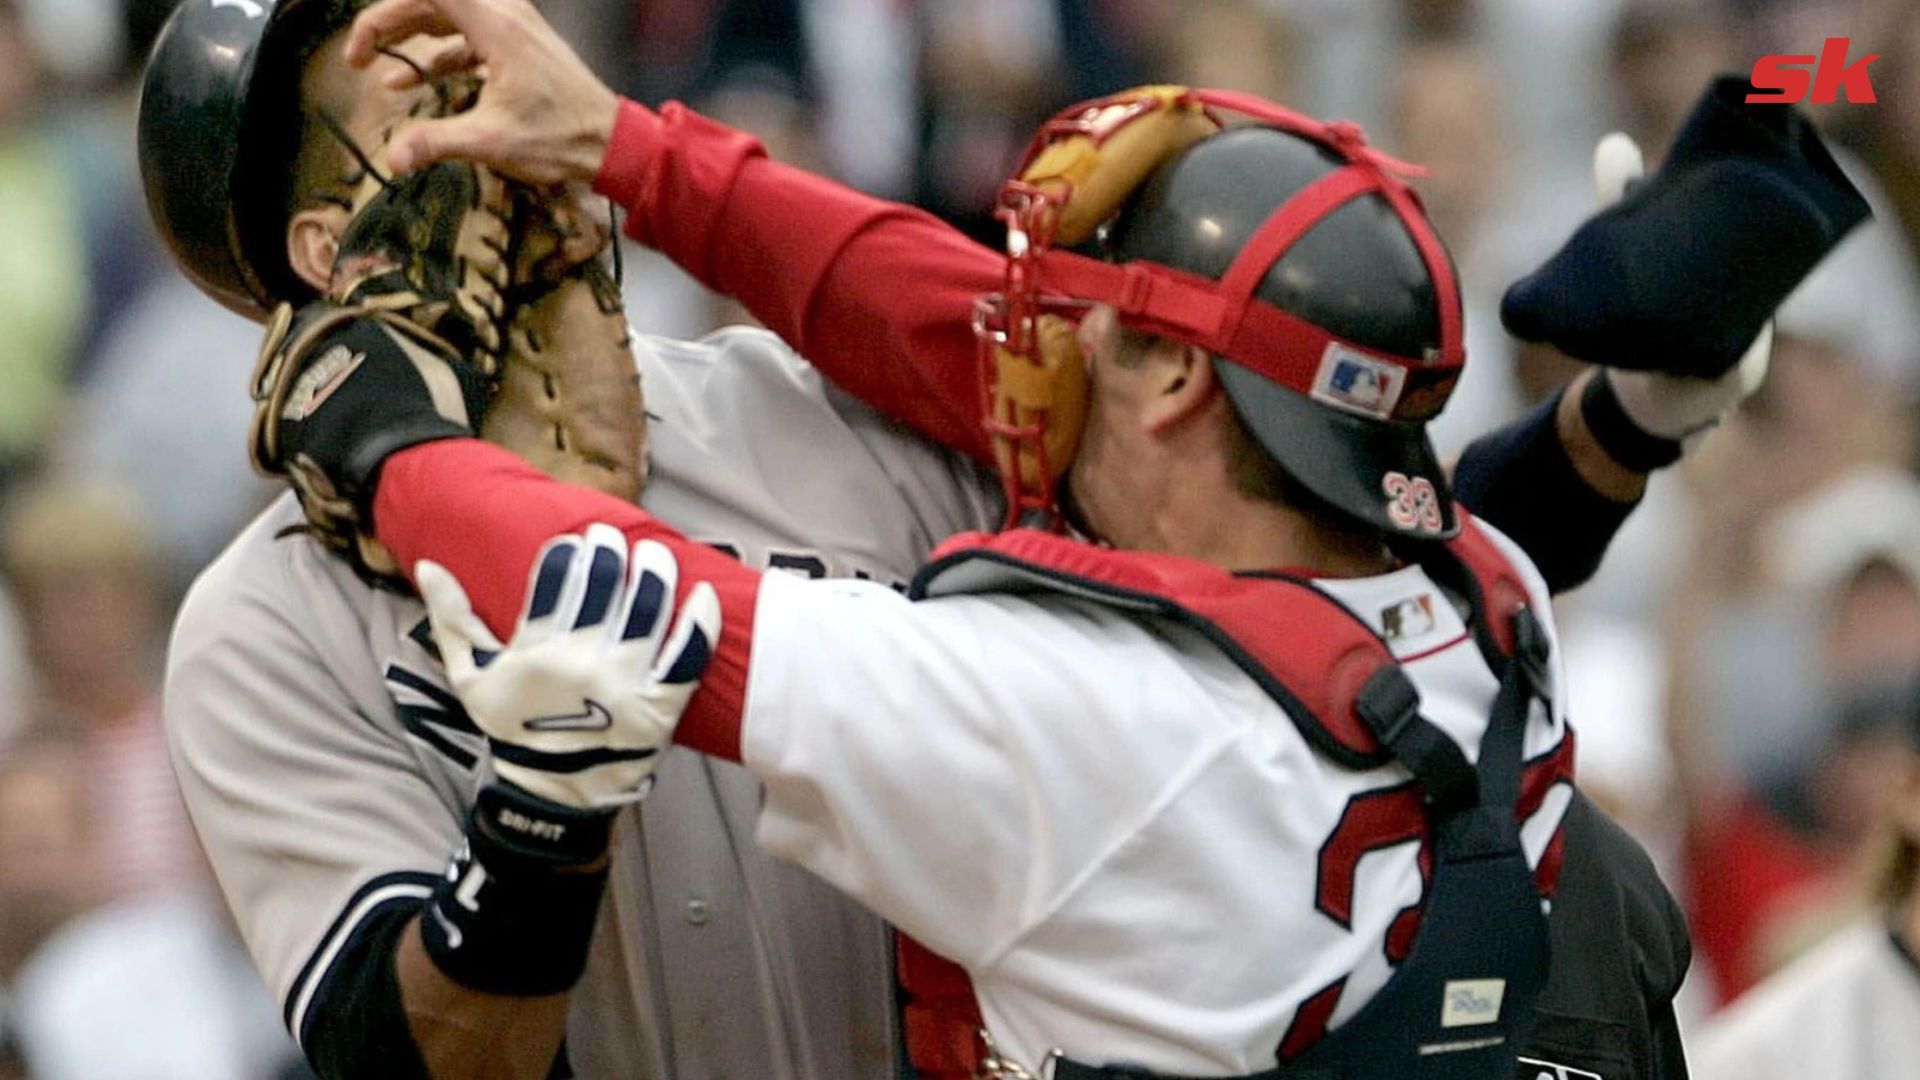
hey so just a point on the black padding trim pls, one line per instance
(1520, 480)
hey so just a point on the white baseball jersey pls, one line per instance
(1118, 834)
(1849, 1010)
(329, 770)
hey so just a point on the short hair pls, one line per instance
(1258, 474)
(291, 153)
(317, 157)
(54, 528)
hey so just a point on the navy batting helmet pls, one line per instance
(219, 128)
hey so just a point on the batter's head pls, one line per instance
(220, 127)
(1355, 437)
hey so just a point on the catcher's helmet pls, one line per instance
(219, 127)
(1355, 436)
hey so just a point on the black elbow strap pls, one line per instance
(1520, 480)
(515, 913)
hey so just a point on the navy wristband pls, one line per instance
(1623, 440)
(515, 912)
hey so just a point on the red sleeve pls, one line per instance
(484, 514)
(877, 295)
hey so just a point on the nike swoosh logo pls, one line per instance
(594, 717)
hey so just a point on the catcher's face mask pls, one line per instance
(1288, 377)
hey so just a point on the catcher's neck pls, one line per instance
(1191, 507)
(1179, 497)
(1242, 533)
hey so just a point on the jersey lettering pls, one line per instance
(806, 564)
(1386, 818)
(426, 721)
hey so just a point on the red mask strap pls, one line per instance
(1148, 296)
(1286, 225)
(1446, 287)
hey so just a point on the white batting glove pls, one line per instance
(1673, 407)
(582, 702)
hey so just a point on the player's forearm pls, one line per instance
(877, 294)
(463, 1033)
(1546, 482)
(1598, 470)
(484, 514)
(483, 971)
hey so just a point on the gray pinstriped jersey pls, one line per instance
(328, 769)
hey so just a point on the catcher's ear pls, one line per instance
(1182, 382)
(313, 239)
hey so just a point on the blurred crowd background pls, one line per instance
(1743, 669)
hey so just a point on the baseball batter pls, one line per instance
(331, 771)
(330, 823)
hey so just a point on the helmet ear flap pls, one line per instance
(1038, 403)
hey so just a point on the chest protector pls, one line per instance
(1455, 1005)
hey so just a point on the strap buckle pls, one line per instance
(994, 1066)
(1390, 707)
(1388, 703)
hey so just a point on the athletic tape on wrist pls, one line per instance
(515, 913)
(1624, 441)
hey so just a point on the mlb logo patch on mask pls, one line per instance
(1351, 380)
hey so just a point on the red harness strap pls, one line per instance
(1311, 658)
(939, 1016)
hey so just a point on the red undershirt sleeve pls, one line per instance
(484, 514)
(878, 295)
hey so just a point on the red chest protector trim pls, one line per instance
(1311, 658)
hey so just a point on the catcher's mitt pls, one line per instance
(317, 356)
(437, 247)
(568, 396)
(506, 282)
